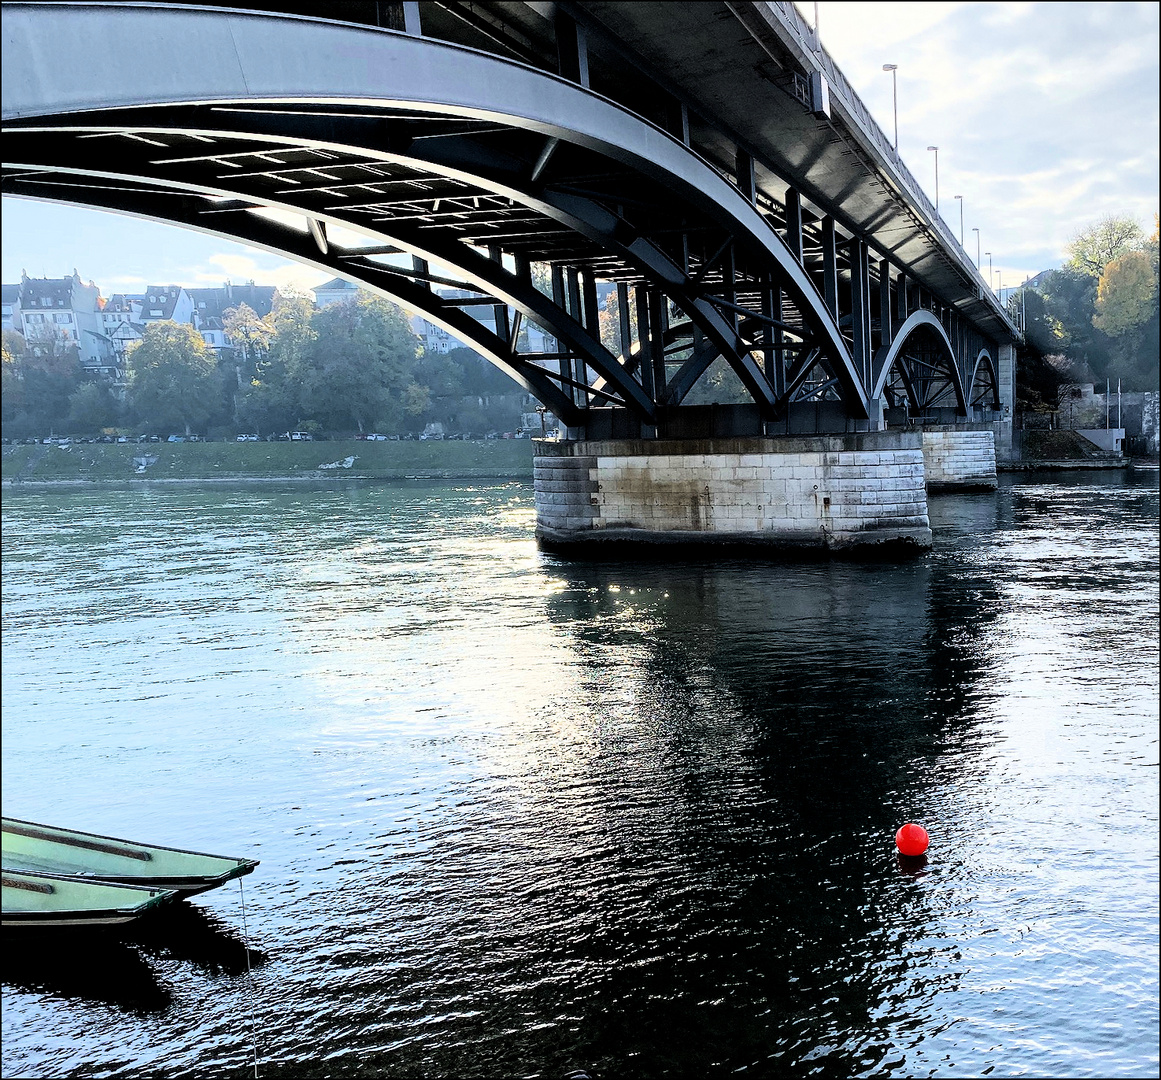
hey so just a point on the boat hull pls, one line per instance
(45, 901)
(46, 849)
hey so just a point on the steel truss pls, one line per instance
(444, 157)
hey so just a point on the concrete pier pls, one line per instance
(831, 493)
(960, 458)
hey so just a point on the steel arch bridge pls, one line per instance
(464, 168)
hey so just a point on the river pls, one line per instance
(518, 815)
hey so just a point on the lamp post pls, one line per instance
(894, 98)
(960, 199)
(991, 280)
(977, 232)
(936, 149)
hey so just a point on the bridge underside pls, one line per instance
(415, 167)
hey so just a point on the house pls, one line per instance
(166, 303)
(210, 307)
(10, 296)
(56, 313)
(334, 291)
(121, 323)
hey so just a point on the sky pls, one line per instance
(1045, 115)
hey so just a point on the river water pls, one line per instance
(520, 816)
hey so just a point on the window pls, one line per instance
(62, 317)
(202, 304)
(155, 314)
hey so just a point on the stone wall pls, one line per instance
(832, 493)
(960, 459)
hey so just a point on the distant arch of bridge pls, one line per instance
(476, 166)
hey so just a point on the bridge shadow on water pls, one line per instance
(789, 718)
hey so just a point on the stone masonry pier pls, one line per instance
(960, 458)
(831, 494)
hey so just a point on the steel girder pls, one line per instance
(277, 83)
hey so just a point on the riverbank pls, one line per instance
(234, 462)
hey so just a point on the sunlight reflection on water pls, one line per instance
(520, 816)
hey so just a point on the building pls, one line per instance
(211, 305)
(56, 313)
(121, 324)
(166, 303)
(334, 291)
(10, 295)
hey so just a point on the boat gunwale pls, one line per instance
(249, 863)
(108, 916)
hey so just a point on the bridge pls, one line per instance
(502, 163)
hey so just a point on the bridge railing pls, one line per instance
(805, 36)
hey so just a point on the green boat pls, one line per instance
(45, 849)
(42, 900)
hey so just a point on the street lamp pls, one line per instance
(894, 98)
(977, 232)
(936, 149)
(991, 280)
(960, 198)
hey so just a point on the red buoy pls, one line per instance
(912, 839)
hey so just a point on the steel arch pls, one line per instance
(919, 322)
(272, 60)
(984, 360)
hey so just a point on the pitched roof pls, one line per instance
(161, 298)
(259, 298)
(337, 284)
(38, 293)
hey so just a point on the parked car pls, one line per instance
(248, 437)
(301, 436)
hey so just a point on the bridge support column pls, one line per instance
(1006, 383)
(828, 494)
(960, 457)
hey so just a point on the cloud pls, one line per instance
(1046, 115)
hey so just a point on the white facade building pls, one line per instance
(56, 313)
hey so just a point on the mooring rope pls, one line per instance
(249, 976)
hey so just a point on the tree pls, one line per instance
(1126, 295)
(609, 319)
(1126, 310)
(172, 378)
(91, 408)
(251, 334)
(1097, 245)
(360, 366)
(39, 378)
(270, 400)
(1070, 299)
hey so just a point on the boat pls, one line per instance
(45, 849)
(44, 900)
